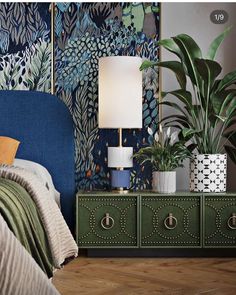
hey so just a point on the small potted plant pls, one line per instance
(206, 114)
(165, 155)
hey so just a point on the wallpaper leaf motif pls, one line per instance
(66, 96)
(38, 67)
(5, 24)
(86, 132)
(134, 13)
(24, 46)
(11, 70)
(22, 24)
(103, 29)
(68, 25)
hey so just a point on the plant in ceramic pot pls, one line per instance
(205, 111)
(165, 155)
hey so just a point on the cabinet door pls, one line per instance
(170, 221)
(106, 221)
(220, 221)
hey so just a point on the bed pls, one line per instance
(44, 126)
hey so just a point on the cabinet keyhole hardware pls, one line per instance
(170, 222)
(232, 221)
(107, 222)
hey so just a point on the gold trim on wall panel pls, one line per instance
(52, 48)
(160, 69)
(160, 58)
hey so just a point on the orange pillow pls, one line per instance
(8, 149)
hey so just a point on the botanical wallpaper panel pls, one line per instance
(25, 52)
(84, 32)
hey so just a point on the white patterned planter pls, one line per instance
(208, 173)
(164, 181)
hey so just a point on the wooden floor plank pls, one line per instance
(151, 276)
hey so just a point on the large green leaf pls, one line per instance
(231, 136)
(171, 46)
(216, 43)
(147, 64)
(208, 70)
(224, 105)
(189, 52)
(178, 69)
(230, 111)
(194, 112)
(219, 100)
(175, 66)
(183, 95)
(189, 132)
(176, 119)
(174, 105)
(227, 81)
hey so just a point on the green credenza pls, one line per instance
(151, 220)
(106, 220)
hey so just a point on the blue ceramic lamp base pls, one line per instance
(120, 179)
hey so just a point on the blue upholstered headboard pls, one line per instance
(44, 126)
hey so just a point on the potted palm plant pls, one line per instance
(165, 156)
(205, 111)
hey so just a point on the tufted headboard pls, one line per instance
(44, 126)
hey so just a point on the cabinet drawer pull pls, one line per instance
(232, 221)
(170, 222)
(107, 221)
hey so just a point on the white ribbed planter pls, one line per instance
(208, 173)
(164, 181)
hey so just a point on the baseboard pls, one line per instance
(161, 252)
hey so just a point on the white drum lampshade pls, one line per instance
(120, 92)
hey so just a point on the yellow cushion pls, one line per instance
(8, 149)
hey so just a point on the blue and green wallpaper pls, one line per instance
(25, 53)
(84, 32)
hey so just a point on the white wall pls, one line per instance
(194, 19)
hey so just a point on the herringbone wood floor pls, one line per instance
(152, 276)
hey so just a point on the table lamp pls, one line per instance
(120, 107)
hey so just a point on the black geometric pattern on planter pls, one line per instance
(208, 173)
